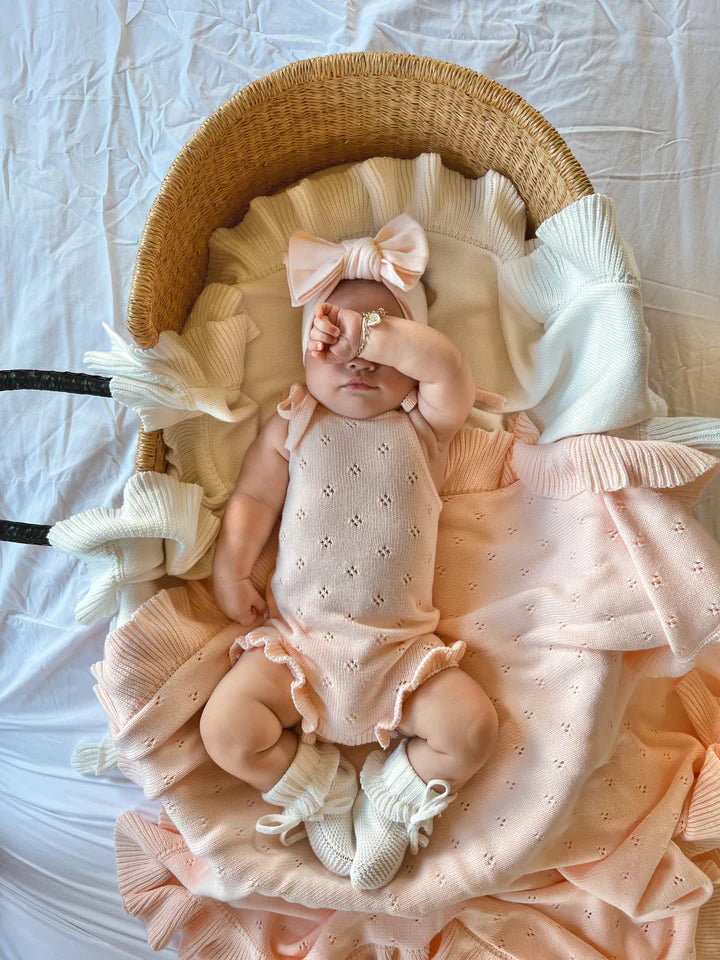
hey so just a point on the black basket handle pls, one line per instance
(57, 382)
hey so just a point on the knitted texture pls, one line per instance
(350, 604)
(302, 792)
(394, 806)
(161, 527)
(554, 323)
(319, 788)
(333, 838)
(575, 837)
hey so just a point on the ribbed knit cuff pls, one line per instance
(701, 707)
(703, 819)
(304, 786)
(703, 432)
(707, 934)
(694, 431)
(394, 788)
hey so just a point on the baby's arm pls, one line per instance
(446, 384)
(250, 516)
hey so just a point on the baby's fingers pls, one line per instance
(327, 313)
(321, 336)
(321, 322)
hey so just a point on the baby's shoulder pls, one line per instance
(275, 432)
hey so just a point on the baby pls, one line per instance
(344, 644)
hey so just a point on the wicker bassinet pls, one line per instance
(315, 114)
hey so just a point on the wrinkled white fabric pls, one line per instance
(94, 107)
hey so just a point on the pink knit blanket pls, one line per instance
(589, 599)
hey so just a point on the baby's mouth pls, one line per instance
(360, 383)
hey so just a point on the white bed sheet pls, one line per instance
(94, 105)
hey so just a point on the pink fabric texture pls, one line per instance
(350, 608)
(577, 576)
(396, 256)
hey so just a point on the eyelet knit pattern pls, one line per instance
(350, 603)
(600, 771)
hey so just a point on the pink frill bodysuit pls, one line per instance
(350, 608)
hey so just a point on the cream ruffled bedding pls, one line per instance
(553, 324)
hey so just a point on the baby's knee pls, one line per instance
(481, 730)
(471, 726)
(234, 739)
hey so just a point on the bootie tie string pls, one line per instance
(282, 824)
(432, 804)
(333, 806)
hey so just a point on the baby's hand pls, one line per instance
(240, 601)
(335, 333)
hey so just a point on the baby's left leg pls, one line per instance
(453, 726)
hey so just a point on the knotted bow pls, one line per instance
(283, 823)
(432, 804)
(396, 255)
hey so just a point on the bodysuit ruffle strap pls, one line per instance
(409, 401)
(297, 408)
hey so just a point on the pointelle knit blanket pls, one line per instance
(589, 600)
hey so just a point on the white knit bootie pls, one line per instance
(319, 788)
(395, 805)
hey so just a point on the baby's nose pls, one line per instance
(360, 363)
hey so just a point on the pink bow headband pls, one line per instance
(396, 256)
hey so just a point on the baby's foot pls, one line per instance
(331, 831)
(390, 812)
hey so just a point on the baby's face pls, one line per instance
(328, 382)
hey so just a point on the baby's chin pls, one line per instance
(359, 405)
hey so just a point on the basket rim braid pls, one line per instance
(317, 113)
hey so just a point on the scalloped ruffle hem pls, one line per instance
(441, 657)
(156, 872)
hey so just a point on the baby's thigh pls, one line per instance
(451, 712)
(250, 701)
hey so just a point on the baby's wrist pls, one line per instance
(368, 320)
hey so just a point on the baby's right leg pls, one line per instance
(243, 723)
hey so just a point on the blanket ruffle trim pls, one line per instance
(276, 650)
(700, 820)
(151, 890)
(164, 634)
(161, 527)
(595, 463)
(479, 460)
(486, 212)
(578, 246)
(183, 375)
(155, 867)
